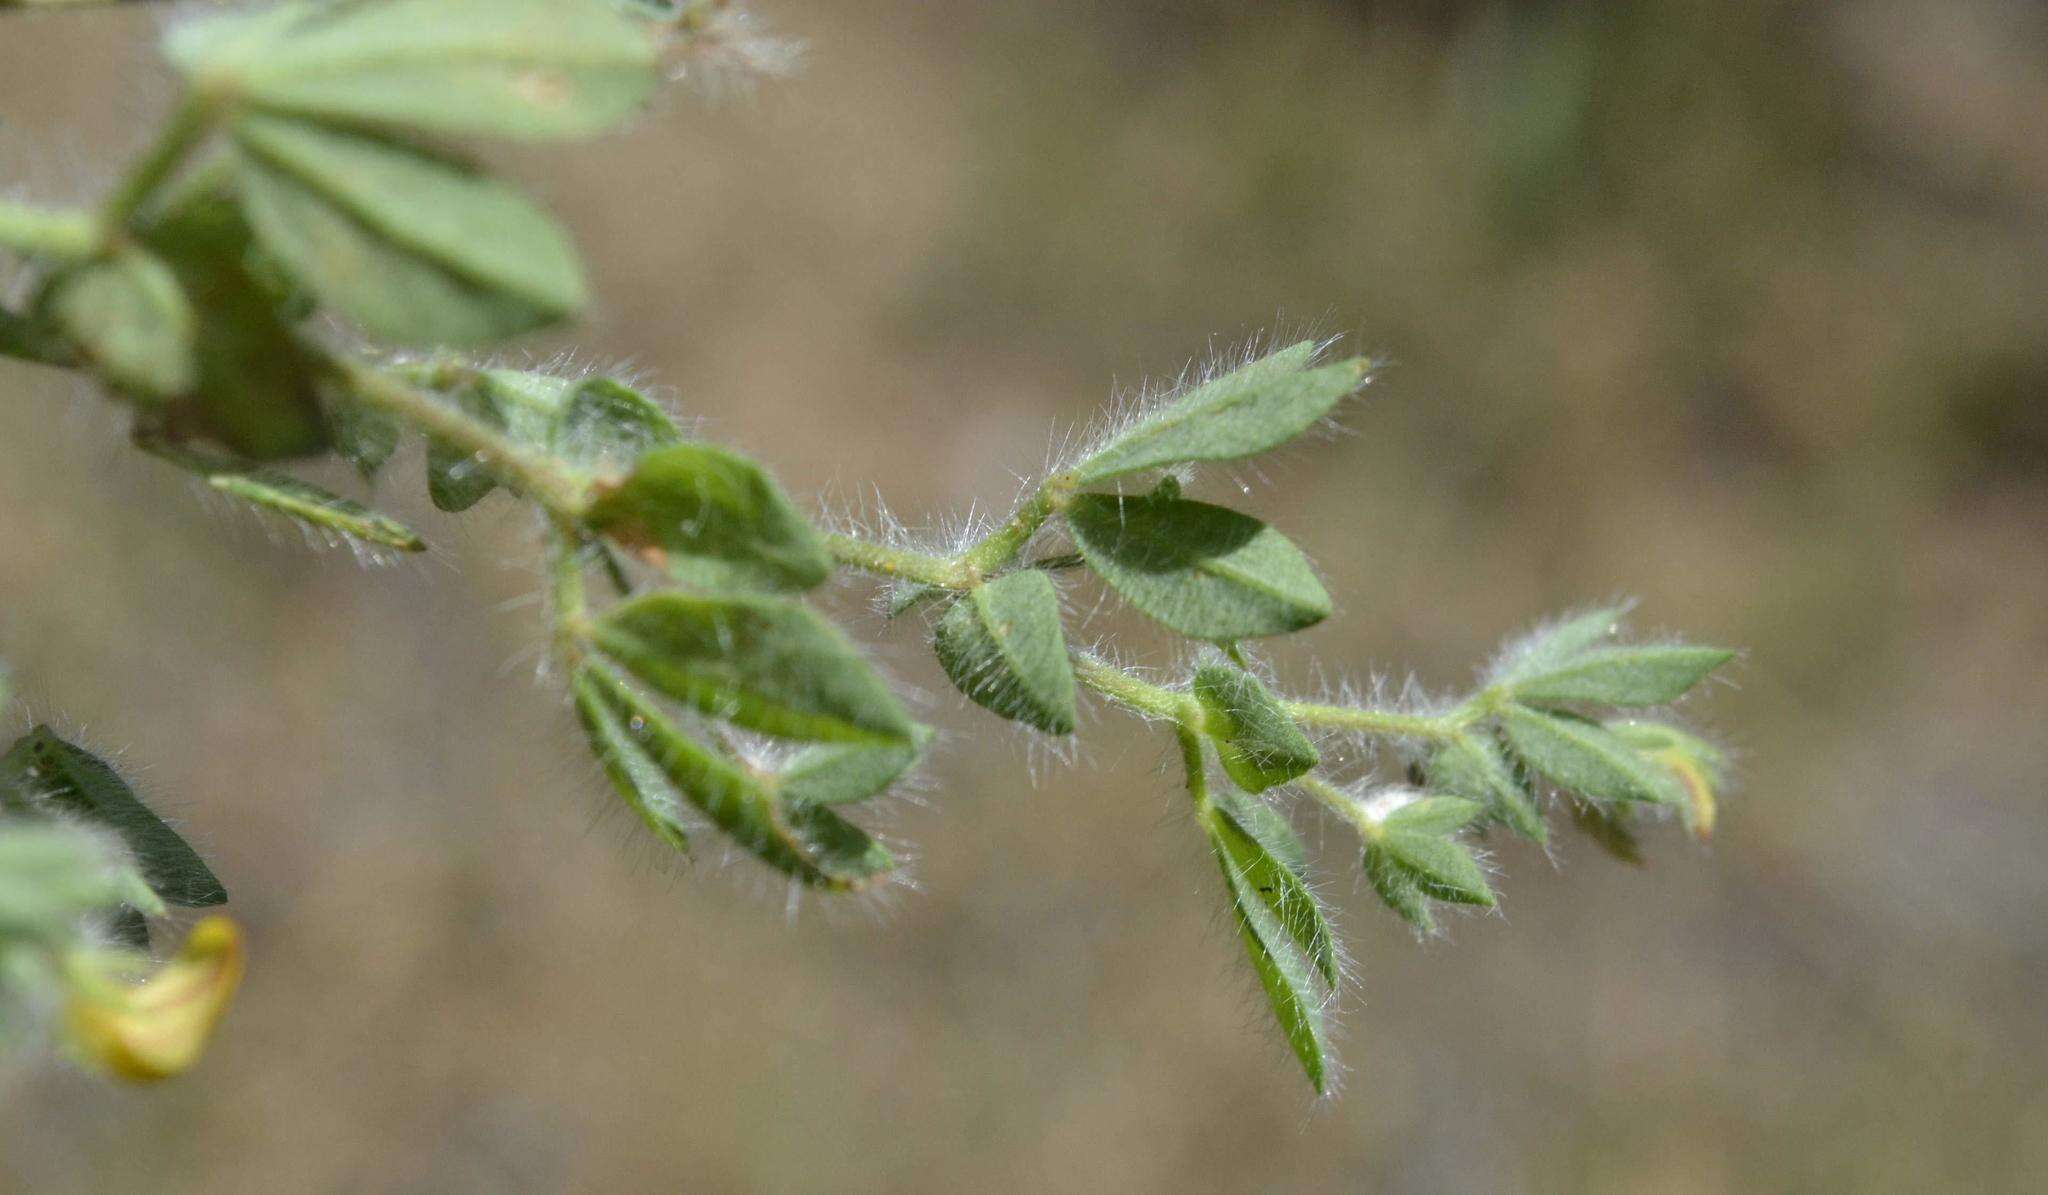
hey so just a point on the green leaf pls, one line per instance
(1260, 746)
(414, 246)
(1611, 828)
(1442, 869)
(808, 842)
(1470, 765)
(363, 437)
(1637, 675)
(1202, 570)
(1551, 645)
(843, 773)
(457, 479)
(1253, 408)
(647, 789)
(1694, 763)
(51, 875)
(511, 68)
(606, 422)
(713, 518)
(762, 662)
(63, 778)
(1272, 909)
(255, 387)
(1411, 859)
(1583, 757)
(1271, 861)
(1434, 815)
(1001, 644)
(131, 320)
(296, 499)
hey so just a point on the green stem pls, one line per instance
(566, 593)
(59, 234)
(898, 563)
(537, 475)
(1000, 547)
(1433, 727)
(189, 126)
(1197, 769)
(1339, 802)
(1153, 701)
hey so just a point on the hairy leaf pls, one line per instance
(59, 777)
(1696, 764)
(1270, 858)
(1274, 911)
(762, 662)
(1412, 859)
(1583, 757)
(1636, 675)
(296, 499)
(363, 437)
(414, 246)
(713, 518)
(1202, 570)
(1260, 746)
(1554, 643)
(808, 842)
(633, 772)
(1470, 765)
(254, 387)
(131, 320)
(1253, 408)
(512, 68)
(843, 773)
(606, 422)
(1001, 644)
(51, 875)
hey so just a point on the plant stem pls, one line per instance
(1131, 691)
(1339, 802)
(60, 234)
(1001, 546)
(565, 591)
(540, 477)
(1433, 727)
(189, 126)
(898, 563)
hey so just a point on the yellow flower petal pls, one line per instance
(157, 1028)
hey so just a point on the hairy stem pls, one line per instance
(898, 563)
(536, 474)
(1433, 727)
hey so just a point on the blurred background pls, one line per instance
(1740, 309)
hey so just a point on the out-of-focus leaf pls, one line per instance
(1255, 407)
(1470, 765)
(131, 320)
(808, 842)
(1648, 674)
(512, 68)
(1584, 757)
(296, 499)
(608, 423)
(1202, 570)
(457, 479)
(52, 874)
(1001, 644)
(363, 437)
(255, 389)
(765, 663)
(1696, 764)
(713, 518)
(1260, 746)
(646, 788)
(1611, 828)
(63, 778)
(415, 247)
